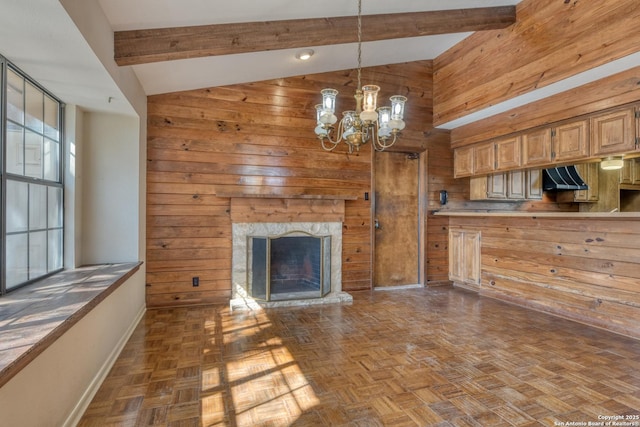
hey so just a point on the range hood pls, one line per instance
(562, 178)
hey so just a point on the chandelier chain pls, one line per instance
(359, 42)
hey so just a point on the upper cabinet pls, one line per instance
(484, 158)
(613, 132)
(508, 153)
(571, 141)
(588, 138)
(463, 161)
(536, 147)
(561, 143)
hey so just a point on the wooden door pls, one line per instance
(397, 241)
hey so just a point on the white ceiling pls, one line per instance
(42, 39)
(39, 37)
(171, 76)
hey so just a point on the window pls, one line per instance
(31, 175)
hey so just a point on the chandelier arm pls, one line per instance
(381, 145)
(325, 148)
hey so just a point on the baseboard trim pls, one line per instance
(78, 411)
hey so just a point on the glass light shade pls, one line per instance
(319, 111)
(384, 115)
(348, 120)
(397, 107)
(611, 163)
(370, 93)
(329, 100)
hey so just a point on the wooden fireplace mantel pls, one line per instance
(233, 194)
(265, 209)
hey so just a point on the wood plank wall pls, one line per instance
(207, 147)
(551, 40)
(584, 269)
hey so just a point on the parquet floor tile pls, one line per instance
(438, 357)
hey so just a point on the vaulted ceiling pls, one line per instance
(186, 44)
(58, 43)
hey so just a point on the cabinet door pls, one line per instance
(508, 153)
(484, 158)
(463, 161)
(635, 171)
(533, 185)
(515, 185)
(464, 257)
(471, 253)
(591, 174)
(571, 141)
(497, 186)
(536, 147)
(613, 132)
(626, 172)
(456, 271)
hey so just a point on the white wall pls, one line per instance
(111, 189)
(105, 212)
(54, 388)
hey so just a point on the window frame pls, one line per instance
(43, 182)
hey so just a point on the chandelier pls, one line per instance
(365, 123)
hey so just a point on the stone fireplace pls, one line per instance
(301, 254)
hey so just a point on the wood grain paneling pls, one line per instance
(550, 41)
(582, 269)
(163, 44)
(237, 152)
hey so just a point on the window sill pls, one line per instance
(32, 318)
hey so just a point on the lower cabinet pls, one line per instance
(464, 258)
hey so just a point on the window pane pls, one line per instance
(51, 125)
(35, 108)
(37, 254)
(37, 207)
(15, 149)
(55, 207)
(33, 154)
(51, 159)
(55, 250)
(15, 99)
(17, 206)
(16, 260)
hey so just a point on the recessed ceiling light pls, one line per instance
(305, 54)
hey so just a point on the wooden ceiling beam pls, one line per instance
(164, 44)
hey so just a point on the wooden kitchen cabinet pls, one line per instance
(571, 141)
(464, 258)
(561, 143)
(613, 132)
(630, 172)
(508, 152)
(590, 173)
(463, 161)
(484, 158)
(514, 185)
(536, 147)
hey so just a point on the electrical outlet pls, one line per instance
(195, 281)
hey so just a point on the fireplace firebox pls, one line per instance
(293, 266)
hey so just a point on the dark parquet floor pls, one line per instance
(415, 357)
